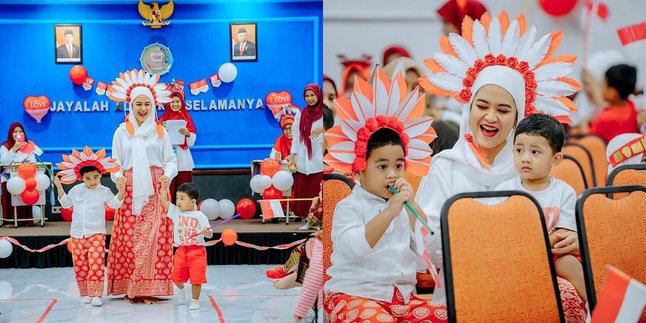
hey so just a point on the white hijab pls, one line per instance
(465, 159)
(142, 183)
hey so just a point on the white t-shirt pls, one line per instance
(359, 270)
(186, 224)
(558, 202)
(88, 216)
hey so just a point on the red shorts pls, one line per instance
(189, 262)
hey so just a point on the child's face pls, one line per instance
(185, 202)
(384, 166)
(92, 179)
(533, 156)
(609, 94)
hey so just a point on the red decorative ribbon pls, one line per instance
(208, 244)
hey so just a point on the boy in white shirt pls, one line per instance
(537, 148)
(87, 231)
(189, 229)
(373, 237)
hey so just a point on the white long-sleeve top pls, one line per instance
(160, 153)
(299, 150)
(359, 270)
(184, 157)
(88, 216)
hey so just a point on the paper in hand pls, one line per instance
(173, 126)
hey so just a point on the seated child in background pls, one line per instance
(620, 116)
(189, 229)
(87, 231)
(537, 148)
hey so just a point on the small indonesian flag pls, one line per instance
(195, 87)
(633, 39)
(622, 299)
(179, 84)
(88, 84)
(101, 88)
(271, 209)
(215, 80)
(204, 86)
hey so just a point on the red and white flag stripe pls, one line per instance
(622, 299)
(271, 209)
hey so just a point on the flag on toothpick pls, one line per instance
(622, 299)
(271, 209)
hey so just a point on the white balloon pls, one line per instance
(16, 185)
(227, 209)
(255, 184)
(264, 182)
(5, 248)
(227, 72)
(5, 290)
(282, 180)
(210, 208)
(42, 182)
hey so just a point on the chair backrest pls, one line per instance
(582, 155)
(628, 175)
(569, 170)
(335, 188)
(611, 232)
(497, 261)
(597, 148)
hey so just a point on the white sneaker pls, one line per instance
(181, 295)
(96, 301)
(195, 305)
(306, 226)
(85, 299)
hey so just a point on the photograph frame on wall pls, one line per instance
(246, 51)
(68, 44)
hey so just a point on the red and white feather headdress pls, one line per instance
(72, 164)
(498, 42)
(385, 104)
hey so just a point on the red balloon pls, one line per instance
(109, 213)
(27, 170)
(269, 167)
(272, 193)
(557, 8)
(66, 214)
(246, 208)
(78, 74)
(30, 197)
(229, 237)
(30, 183)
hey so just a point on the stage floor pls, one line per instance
(234, 294)
(60, 228)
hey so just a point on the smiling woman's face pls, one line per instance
(492, 116)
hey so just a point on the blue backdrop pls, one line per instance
(289, 37)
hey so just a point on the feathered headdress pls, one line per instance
(139, 83)
(72, 164)
(497, 42)
(385, 104)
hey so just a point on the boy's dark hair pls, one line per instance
(447, 135)
(622, 78)
(383, 137)
(545, 126)
(87, 169)
(328, 117)
(189, 189)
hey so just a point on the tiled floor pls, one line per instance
(233, 294)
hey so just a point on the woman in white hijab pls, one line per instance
(141, 246)
(501, 74)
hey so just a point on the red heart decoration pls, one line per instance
(37, 107)
(278, 98)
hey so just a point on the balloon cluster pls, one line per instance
(28, 184)
(271, 182)
(213, 209)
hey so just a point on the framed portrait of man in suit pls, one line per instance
(68, 47)
(244, 41)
